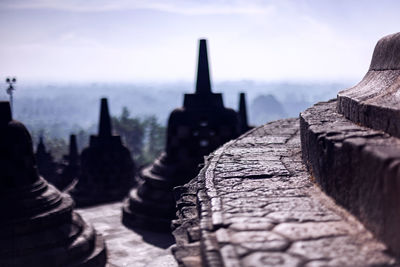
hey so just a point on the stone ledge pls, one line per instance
(357, 166)
(256, 205)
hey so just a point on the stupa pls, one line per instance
(107, 168)
(45, 162)
(38, 226)
(243, 124)
(70, 168)
(194, 130)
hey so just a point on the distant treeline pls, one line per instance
(57, 111)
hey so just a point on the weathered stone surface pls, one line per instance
(313, 230)
(348, 251)
(271, 259)
(386, 54)
(260, 240)
(374, 102)
(357, 166)
(270, 216)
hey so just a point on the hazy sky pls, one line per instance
(156, 40)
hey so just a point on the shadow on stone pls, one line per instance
(158, 239)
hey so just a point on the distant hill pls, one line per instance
(266, 108)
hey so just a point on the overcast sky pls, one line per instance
(156, 40)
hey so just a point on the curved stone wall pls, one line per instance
(357, 166)
(254, 204)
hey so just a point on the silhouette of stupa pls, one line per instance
(194, 130)
(70, 168)
(38, 226)
(243, 124)
(107, 169)
(45, 163)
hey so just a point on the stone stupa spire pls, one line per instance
(105, 129)
(73, 155)
(243, 123)
(70, 166)
(203, 97)
(41, 148)
(203, 83)
(45, 162)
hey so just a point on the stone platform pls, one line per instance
(129, 247)
(254, 204)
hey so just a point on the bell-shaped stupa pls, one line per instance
(38, 226)
(106, 169)
(194, 130)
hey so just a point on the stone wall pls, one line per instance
(357, 166)
(352, 147)
(254, 204)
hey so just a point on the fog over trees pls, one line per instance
(140, 111)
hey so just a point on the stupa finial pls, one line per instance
(105, 121)
(203, 84)
(73, 150)
(243, 113)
